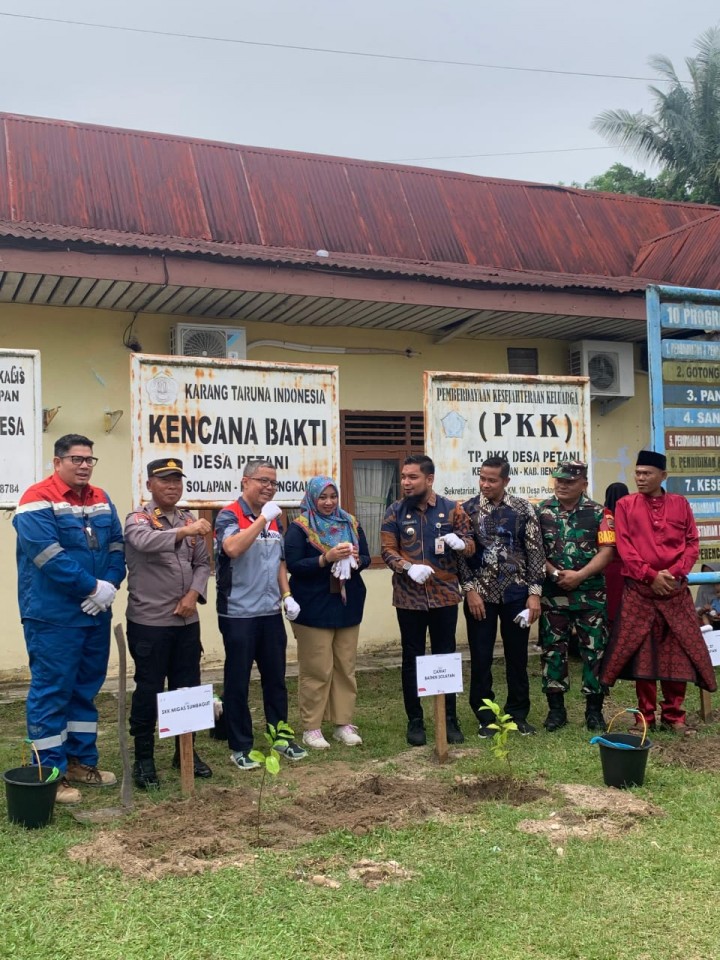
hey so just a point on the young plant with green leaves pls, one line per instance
(504, 725)
(276, 737)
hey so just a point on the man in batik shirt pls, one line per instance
(502, 579)
(421, 537)
(579, 542)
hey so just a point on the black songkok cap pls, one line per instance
(649, 458)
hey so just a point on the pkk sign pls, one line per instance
(535, 423)
(216, 415)
(20, 424)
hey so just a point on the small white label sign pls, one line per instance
(441, 673)
(712, 639)
(185, 711)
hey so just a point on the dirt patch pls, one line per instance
(692, 753)
(607, 800)
(591, 812)
(217, 827)
(501, 789)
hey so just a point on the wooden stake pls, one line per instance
(705, 705)
(441, 749)
(126, 794)
(187, 775)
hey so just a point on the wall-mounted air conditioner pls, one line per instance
(203, 340)
(609, 365)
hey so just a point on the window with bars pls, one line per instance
(522, 360)
(373, 447)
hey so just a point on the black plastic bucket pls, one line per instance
(621, 767)
(30, 800)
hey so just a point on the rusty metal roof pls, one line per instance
(689, 255)
(63, 181)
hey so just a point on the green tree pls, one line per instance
(682, 134)
(622, 179)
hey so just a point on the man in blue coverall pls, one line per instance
(70, 560)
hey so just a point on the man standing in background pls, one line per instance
(502, 579)
(70, 559)
(168, 570)
(578, 540)
(658, 636)
(421, 536)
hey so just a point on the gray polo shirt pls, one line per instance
(247, 586)
(161, 570)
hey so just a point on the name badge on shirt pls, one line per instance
(439, 545)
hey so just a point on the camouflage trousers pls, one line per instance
(556, 624)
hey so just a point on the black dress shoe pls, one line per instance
(145, 775)
(416, 736)
(200, 769)
(453, 731)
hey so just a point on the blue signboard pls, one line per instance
(685, 400)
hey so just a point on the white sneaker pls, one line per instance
(348, 735)
(315, 740)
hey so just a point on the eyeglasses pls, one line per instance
(77, 461)
(264, 482)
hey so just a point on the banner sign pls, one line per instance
(440, 673)
(20, 424)
(535, 423)
(185, 711)
(216, 415)
(685, 400)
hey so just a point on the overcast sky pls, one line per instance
(348, 105)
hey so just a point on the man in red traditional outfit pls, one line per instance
(657, 636)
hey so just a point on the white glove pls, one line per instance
(89, 607)
(103, 595)
(420, 572)
(454, 541)
(342, 568)
(523, 619)
(271, 511)
(292, 608)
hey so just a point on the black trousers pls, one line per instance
(253, 639)
(441, 622)
(481, 639)
(160, 653)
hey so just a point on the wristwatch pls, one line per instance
(555, 575)
(406, 566)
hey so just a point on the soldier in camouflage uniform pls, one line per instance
(578, 538)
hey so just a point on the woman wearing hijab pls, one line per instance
(613, 571)
(325, 550)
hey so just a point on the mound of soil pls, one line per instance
(217, 827)
(591, 812)
(692, 753)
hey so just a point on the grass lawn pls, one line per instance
(480, 888)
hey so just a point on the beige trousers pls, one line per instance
(327, 689)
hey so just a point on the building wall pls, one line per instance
(85, 371)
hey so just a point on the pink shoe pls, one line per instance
(348, 735)
(315, 740)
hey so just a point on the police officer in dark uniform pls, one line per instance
(168, 570)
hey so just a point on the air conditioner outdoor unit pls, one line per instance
(610, 367)
(202, 340)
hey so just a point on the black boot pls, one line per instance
(594, 719)
(557, 715)
(144, 773)
(200, 769)
(453, 731)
